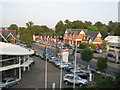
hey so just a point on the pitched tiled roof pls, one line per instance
(75, 31)
(5, 33)
(92, 34)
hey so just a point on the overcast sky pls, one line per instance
(49, 12)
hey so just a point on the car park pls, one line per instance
(69, 78)
(8, 81)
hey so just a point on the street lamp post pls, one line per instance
(46, 65)
(61, 68)
(75, 64)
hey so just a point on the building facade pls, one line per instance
(13, 60)
(82, 36)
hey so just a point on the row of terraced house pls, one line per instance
(82, 36)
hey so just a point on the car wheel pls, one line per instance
(80, 85)
(18, 82)
(7, 86)
(66, 82)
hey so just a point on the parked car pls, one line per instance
(8, 81)
(71, 66)
(56, 60)
(37, 53)
(41, 54)
(69, 78)
(82, 74)
(79, 69)
(78, 51)
(64, 65)
(46, 56)
(57, 63)
(96, 51)
(111, 55)
(51, 58)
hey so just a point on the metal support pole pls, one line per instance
(46, 68)
(75, 65)
(61, 69)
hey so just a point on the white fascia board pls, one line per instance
(9, 67)
(3, 37)
(99, 35)
(9, 35)
(82, 32)
(78, 39)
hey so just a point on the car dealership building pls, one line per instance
(13, 60)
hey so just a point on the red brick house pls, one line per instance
(8, 36)
(82, 36)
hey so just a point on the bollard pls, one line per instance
(53, 86)
(90, 78)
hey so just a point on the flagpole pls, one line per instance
(75, 63)
(46, 66)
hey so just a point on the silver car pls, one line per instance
(64, 65)
(8, 81)
(69, 78)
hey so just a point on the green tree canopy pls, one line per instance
(13, 27)
(102, 64)
(86, 54)
(60, 28)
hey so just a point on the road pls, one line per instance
(110, 69)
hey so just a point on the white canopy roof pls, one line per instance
(113, 39)
(11, 49)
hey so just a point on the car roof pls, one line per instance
(7, 78)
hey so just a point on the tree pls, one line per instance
(13, 27)
(86, 54)
(92, 28)
(116, 28)
(88, 23)
(60, 28)
(68, 24)
(83, 45)
(66, 44)
(98, 24)
(93, 46)
(29, 24)
(27, 38)
(102, 64)
(117, 80)
(104, 46)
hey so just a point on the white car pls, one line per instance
(69, 78)
(8, 81)
(64, 65)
